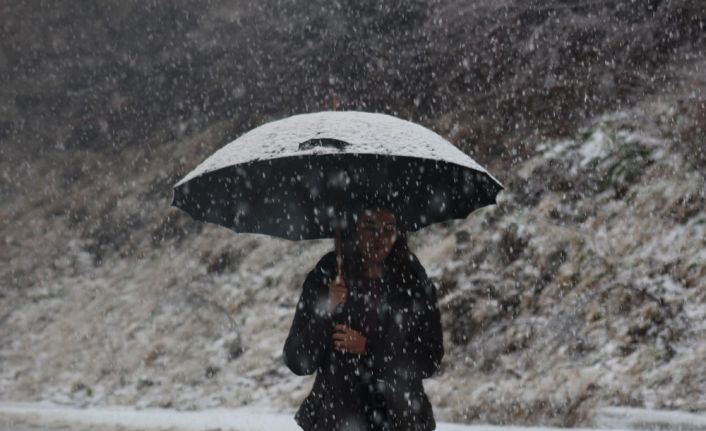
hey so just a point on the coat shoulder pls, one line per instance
(327, 264)
(323, 270)
(328, 260)
(423, 286)
(417, 267)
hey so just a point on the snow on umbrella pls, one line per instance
(302, 177)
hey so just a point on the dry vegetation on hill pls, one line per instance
(582, 288)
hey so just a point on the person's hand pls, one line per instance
(349, 340)
(336, 293)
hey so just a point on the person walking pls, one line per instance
(370, 328)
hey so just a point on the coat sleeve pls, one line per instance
(425, 342)
(310, 334)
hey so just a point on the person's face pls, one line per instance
(377, 233)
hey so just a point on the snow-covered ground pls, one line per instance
(51, 417)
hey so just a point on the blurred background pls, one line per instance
(584, 288)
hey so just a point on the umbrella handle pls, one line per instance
(339, 252)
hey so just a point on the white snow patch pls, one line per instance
(596, 146)
(633, 418)
(364, 132)
(240, 419)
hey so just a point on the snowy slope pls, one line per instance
(583, 288)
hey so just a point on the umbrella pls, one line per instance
(303, 176)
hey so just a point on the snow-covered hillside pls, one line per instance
(583, 288)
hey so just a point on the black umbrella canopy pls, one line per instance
(299, 177)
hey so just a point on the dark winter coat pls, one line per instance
(404, 345)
